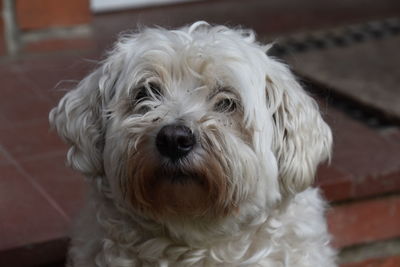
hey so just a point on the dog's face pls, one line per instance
(194, 123)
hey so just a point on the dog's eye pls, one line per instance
(147, 91)
(225, 105)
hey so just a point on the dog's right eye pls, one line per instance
(147, 91)
(226, 105)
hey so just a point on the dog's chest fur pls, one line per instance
(294, 236)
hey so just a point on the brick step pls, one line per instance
(365, 161)
(393, 261)
(365, 221)
(371, 253)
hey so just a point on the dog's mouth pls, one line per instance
(178, 176)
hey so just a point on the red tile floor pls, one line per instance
(39, 196)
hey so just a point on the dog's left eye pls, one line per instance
(225, 105)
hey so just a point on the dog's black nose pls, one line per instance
(175, 141)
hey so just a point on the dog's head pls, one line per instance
(196, 122)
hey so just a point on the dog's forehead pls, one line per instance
(189, 63)
(185, 64)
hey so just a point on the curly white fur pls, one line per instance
(253, 205)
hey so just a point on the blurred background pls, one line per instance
(345, 52)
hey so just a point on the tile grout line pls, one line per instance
(36, 186)
(46, 155)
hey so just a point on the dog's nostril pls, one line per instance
(175, 141)
(185, 142)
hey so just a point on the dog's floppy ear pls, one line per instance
(301, 138)
(78, 120)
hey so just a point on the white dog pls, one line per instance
(200, 151)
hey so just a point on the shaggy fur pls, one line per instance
(241, 197)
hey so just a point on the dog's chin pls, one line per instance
(173, 191)
(180, 194)
(176, 193)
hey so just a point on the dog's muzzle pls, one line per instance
(175, 141)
